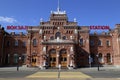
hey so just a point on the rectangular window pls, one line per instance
(99, 43)
(54, 59)
(91, 43)
(50, 59)
(34, 42)
(23, 58)
(81, 42)
(65, 59)
(8, 43)
(108, 43)
(24, 44)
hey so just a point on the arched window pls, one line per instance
(51, 38)
(58, 34)
(52, 51)
(34, 42)
(63, 51)
(99, 43)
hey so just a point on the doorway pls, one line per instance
(34, 58)
(52, 58)
(63, 58)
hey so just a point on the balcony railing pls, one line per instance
(55, 41)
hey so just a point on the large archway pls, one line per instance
(34, 59)
(58, 35)
(63, 58)
(52, 58)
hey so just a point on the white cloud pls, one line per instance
(7, 19)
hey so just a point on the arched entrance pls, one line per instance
(63, 58)
(108, 58)
(34, 59)
(52, 58)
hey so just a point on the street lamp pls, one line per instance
(19, 58)
(97, 61)
(59, 71)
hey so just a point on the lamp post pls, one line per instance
(59, 71)
(97, 62)
(19, 58)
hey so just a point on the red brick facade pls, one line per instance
(59, 41)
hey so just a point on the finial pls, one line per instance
(51, 12)
(41, 19)
(74, 19)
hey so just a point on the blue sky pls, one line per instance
(87, 12)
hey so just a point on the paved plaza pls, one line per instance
(63, 75)
(106, 73)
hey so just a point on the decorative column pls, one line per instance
(57, 59)
(111, 59)
(44, 57)
(68, 60)
(71, 61)
(103, 58)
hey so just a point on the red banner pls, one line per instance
(100, 27)
(17, 27)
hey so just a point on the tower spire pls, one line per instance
(58, 8)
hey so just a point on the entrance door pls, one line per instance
(63, 58)
(34, 58)
(52, 58)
